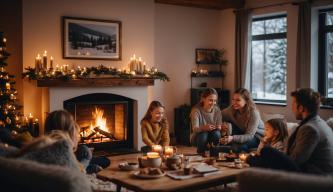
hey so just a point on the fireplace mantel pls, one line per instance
(96, 82)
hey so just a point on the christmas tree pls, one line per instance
(10, 116)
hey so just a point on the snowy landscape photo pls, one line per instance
(91, 39)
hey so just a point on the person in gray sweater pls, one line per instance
(206, 121)
(244, 125)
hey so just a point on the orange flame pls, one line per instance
(100, 121)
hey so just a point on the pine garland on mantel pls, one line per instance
(66, 74)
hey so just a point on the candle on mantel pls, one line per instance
(38, 63)
(157, 148)
(168, 151)
(51, 63)
(45, 60)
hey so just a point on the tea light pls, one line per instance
(157, 148)
(153, 155)
(168, 151)
(7, 86)
(242, 157)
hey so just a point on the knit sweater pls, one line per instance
(155, 133)
(252, 125)
(200, 117)
(278, 145)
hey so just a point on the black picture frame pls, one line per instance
(207, 56)
(93, 39)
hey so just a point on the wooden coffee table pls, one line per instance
(165, 183)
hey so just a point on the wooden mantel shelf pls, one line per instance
(96, 82)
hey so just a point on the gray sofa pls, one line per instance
(28, 176)
(264, 180)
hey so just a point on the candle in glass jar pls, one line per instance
(242, 157)
(152, 155)
(157, 148)
(168, 151)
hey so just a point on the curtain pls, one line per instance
(303, 55)
(243, 47)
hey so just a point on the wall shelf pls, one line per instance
(96, 82)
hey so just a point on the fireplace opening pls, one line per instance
(105, 120)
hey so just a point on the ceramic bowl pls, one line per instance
(153, 162)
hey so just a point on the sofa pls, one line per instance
(262, 180)
(25, 175)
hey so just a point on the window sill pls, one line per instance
(270, 103)
(326, 107)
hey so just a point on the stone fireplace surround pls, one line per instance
(57, 95)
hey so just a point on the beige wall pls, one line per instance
(42, 31)
(178, 32)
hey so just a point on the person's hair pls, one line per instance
(245, 94)
(207, 92)
(153, 105)
(308, 98)
(45, 140)
(61, 120)
(281, 126)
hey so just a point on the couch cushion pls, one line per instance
(28, 176)
(256, 179)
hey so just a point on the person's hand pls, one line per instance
(229, 139)
(266, 139)
(224, 126)
(219, 127)
(208, 127)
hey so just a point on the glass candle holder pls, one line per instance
(168, 151)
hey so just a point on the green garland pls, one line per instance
(84, 73)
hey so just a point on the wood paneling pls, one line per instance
(207, 4)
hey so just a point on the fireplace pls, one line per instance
(105, 120)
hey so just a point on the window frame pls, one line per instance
(270, 36)
(323, 29)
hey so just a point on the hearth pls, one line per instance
(105, 120)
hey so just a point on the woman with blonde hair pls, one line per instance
(206, 121)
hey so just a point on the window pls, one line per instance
(325, 39)
(268, 79)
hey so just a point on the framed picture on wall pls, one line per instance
(206, 56)
(91, 39)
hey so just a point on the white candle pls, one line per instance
(45, 60)
(51, 62)
(157, 148)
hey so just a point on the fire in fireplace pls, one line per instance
(103, 128)
(105, 120)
